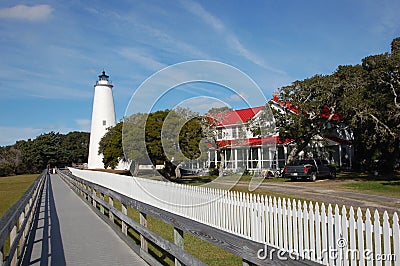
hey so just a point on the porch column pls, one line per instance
(271, 158)
(235, 156)
(340, 155)
(247, 158)
(225, 163)
(285, 151)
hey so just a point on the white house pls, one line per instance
(244, 150)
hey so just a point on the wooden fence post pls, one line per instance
(13, 234)
(110, 214)
(80, 185)
(143, 241)
(84, 187)
(22, 239)
(93, 197)
(124, 227)
(26, 230)
(178, 240)
(101, 205)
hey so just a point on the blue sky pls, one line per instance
(52, 51)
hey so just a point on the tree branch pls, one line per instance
(383, 125)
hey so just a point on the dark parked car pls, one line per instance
(310, 169)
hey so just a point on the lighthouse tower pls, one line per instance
(103, 116)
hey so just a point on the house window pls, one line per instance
(104, 122)
(234, 133)
(219, 133)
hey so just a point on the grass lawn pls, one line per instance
(379, 187)
(12, 188)
(205, 251)
(383, 185)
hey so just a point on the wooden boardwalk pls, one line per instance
(67, 232)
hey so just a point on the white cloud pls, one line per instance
(387, 18)
(170, 44)
(241, 96)
(83, 124)
(198, 10)
(230, 37)
(30, 13)
(202, 104)
(142, 58)
(44, 88)
(9, 135)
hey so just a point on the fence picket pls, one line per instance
(280, 224)
(247, 215)
(235, 204)
(324, 235)
(386, 238)
(295, 228)
(241, 214)
(290, 225)
(377, 237)
(312, 238)
(345, 236)
(276, 239)
(285, 224)
(318, 246)
(301, 229)
(306, 232)
(368, 235)
(271, 221)
(396, 239)
(253, 229)
(352, 237)
(267, 221)
(360, 238)
(338, 241)
(331, 241)
(262, 217)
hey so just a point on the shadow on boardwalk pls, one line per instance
(44, 244)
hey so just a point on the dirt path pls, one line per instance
(333, 195)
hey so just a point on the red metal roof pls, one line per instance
(325, 112)
(236, 116)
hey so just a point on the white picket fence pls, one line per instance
(328, 235)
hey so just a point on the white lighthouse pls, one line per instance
(103, 116)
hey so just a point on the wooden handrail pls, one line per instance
(17, 221)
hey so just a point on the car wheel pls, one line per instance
(313, 177)
(332, 175)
